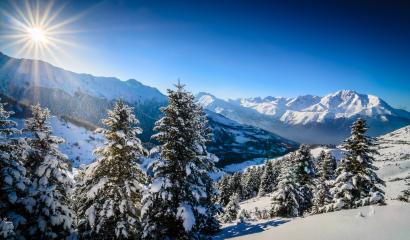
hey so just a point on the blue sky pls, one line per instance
(242, 49)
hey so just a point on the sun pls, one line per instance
(36, 29)
(37, 35)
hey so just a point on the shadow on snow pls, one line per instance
(246, 228)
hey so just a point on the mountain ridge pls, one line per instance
(308, 118)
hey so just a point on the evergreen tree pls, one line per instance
(109, 192)
(268, 179)
(250, 182)
(225, 190)
(235, 184)
(178, 203)
(232, 209)
(6, 229)
(357, 183)
(287, 197)
(325, 172)
(303, 176)
(48, 170)
(206, 221)
(15, 203)
(244, 216)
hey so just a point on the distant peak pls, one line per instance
(345, 92)
(134, 82)
(201, 94)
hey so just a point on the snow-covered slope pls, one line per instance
(79, 142)
(232, 142)
(365, 223)
(372, 222)
(327, 118)
(25, 74)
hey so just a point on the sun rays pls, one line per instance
(36, 29)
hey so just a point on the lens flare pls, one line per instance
(35, 29)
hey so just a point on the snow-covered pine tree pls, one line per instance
(326, 165)
(357, 183)
(244, 216)
(48, 170)
(232, 209)
(225, 191)
(287, 197)
(177, 203)
(268, 179)
(14, 200)
(6, 229)
(235, 184)
(250, 182)
(206, 221)
(109, 191)
(304, 175)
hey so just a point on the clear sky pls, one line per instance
(237, 48)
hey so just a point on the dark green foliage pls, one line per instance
(357, 183)
(179, 204)
(108, 195)
(325, 173)
(268, 178)
(48, 169)
(15, 202)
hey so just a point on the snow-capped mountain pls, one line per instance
(308, 109)
(310, 119)
(80, 101)
(25, 74)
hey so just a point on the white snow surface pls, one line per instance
(185, 212)
(372, 222)
(365, 223)
(79, 142)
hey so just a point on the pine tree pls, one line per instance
(268, 179)
(250, 182)
(244, 216)
(225, 190)
(206, 221)
(15, 202)
(7, 229)
(304, 175)
(108, 196)
(48, 170)
(326, 168)
(235, 184)
(178, 202)
(232, 209)
(356, 183)
(287, 197)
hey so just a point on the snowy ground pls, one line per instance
(372, 222)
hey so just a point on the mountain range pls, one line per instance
(311, 119)
(83, 99)
(243, 128)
